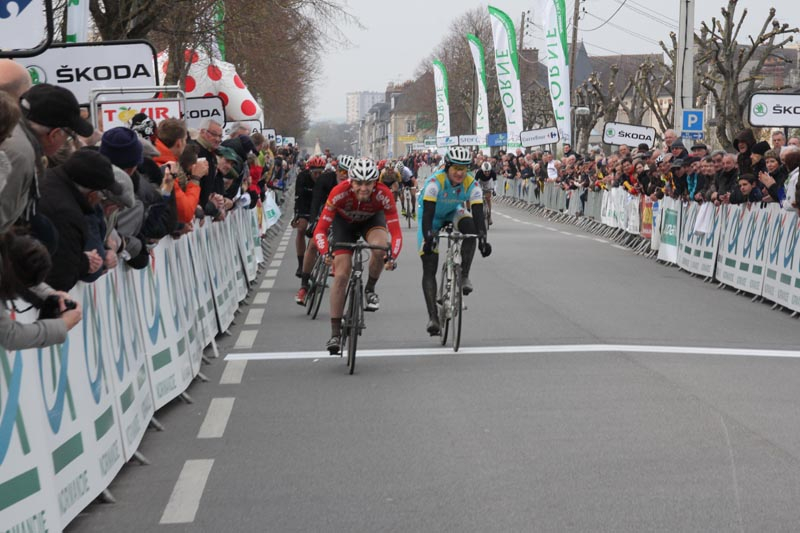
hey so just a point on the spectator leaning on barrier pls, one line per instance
(791, 158)
(726, 180)
(748, 192)
(158, 209)
(69, 193)
(24, 264)
(775, 176)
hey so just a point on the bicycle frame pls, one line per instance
(450, 290)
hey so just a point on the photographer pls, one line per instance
(24, 263)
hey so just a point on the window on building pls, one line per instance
(411, 126)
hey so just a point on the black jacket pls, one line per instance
(322, 189)
(67, 208)
(303, 193)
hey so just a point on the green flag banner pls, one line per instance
(482, 109)
(507, 63)
(442, 100)
(555, 38)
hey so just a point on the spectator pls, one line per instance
(69, 193)
(24, 263)
(678, 150)
(158, 209)
(9, 117)
(669, 138)
(771, 182)
(726, 181)
(778, 141)
(171, 142)
(699, 150)
(757, 164)
(743, 142)
(51, 116)
(793, 141)
(791, 158)
(748, 192)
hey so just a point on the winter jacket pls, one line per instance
(743, 159)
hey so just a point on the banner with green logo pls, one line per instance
(700, 233)
(781, 283)
(442, 99)
(201, 286)
(557, 61)
(482, 107)
(77, 21)
(506, 62)
(669, 230)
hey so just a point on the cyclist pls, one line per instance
(407, 180)
(322, 189)
(391, 178)
(487, 179)
(303, 194)
(443, 200)
(360, 207)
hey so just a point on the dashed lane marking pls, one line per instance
(233, 373)
(271, 273)
(216, 420)
(261, 298)
(245, 339)
(254, 317)
(268, 283)
(185, 499)
(278, 255)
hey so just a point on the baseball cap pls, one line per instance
(54, 106)
(89, 168)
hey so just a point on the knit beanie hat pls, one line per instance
(122, 147)
(760, 148)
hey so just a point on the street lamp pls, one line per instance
(577, 111)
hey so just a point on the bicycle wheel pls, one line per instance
(409, 206)
(443, 304)
(312, 291)
(456, 306)
(320, 283)
(354, 318)
(345, 329)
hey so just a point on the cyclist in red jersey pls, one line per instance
(361, 207)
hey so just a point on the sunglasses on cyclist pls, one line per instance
(361, 183)
(460, 168)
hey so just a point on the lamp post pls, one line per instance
(577, 111)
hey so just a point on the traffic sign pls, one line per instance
(692, 120)
(693, 135)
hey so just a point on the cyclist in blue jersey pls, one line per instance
(449, 195)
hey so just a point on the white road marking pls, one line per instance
(271, 273)
(600, 240)
(246, 339)
(523, 350)
(185, 499)
(516, 220)
(275, 264)
(550, 229)
(618, 247)
(233, 373)
(268, 283)
(567, 233)
(539, 225)
(261, 298)
(281, 248)
(216, 420)
(254, 317)
(278, 255)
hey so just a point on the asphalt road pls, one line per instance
(622, 430)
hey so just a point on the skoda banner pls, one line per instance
(772, 110)
(26, 26)
(82, 67)
(199, 109)
(619, 133)
(539, 137)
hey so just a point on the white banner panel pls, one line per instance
(82, 67)
(253, 126)
(742, 249)
(697, 252)
(202, 108)
(115, 114)
(442, 99)
(669, 230)
(773, 110)
(782, 276)
(507, 67)
(620, 133)
(539, 137)
(23, 24)
(472, 140)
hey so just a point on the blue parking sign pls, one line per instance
(692, 120)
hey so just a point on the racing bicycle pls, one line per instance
(410, 203)
(316, 286)
(449, 300)
(353, 317)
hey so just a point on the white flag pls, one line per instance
(482, 110)
(77, 21)
(507, 64)
(555, 39)
(442, 100)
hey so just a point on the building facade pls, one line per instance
(359, 103)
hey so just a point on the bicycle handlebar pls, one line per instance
(360, 246)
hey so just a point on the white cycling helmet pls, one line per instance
(345, 161)
(363, 169)
(399, 166)
(486, 167)
(458, 155)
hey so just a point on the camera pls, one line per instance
(50, 307)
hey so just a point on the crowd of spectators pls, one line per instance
(75, 203)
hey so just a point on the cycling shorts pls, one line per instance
(344, 231)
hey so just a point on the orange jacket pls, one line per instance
(186, 200)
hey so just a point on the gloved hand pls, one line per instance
(484, 247)
(429, 245)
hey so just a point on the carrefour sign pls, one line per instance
(24, 24)
(619, 133)
(775, 110)
(539, 137)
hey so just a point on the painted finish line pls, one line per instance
(523, 350)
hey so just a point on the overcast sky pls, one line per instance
(399, 34)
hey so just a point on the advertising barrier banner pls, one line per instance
(700, 238)
(782, 276)
(742, 252)
(669, 230)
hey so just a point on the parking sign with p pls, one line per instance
(692, 120)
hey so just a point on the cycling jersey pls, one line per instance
(342, 203)
(389, 177)
(449, 200)
(406, 175)
(303, 194)
(486, 181)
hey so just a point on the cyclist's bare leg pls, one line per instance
(300, 225)
(308, 262)
(341, 266)
(430, 264)
(376, 237)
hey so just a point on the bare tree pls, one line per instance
(736, 68)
